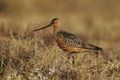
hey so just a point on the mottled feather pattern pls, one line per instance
(75, 41)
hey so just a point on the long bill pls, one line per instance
(42, 27)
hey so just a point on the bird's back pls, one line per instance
(72, 43)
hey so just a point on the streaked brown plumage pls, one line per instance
(72, 43)
(68, 41)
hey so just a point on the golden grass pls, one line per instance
(36, 56)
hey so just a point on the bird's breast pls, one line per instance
(65, 46)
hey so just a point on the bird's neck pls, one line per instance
(57, 29)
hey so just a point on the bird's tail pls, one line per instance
(98, 48)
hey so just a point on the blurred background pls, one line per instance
(35, 56)
(90, 18)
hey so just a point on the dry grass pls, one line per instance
(36, 56)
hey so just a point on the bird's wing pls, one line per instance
(75, 41)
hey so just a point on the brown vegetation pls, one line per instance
(35, 56)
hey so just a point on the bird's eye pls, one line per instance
(57, 21)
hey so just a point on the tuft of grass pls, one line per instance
(30, 59)
(35, 56)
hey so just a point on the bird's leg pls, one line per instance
(68, 57)
(72, 56)
(71, 61)
(97, 57)
(97, 54)
(98, 68)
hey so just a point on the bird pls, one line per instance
(69, 42)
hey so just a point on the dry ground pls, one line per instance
(36, 56)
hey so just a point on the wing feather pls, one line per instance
(75, 41)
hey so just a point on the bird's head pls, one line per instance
(55, 23)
